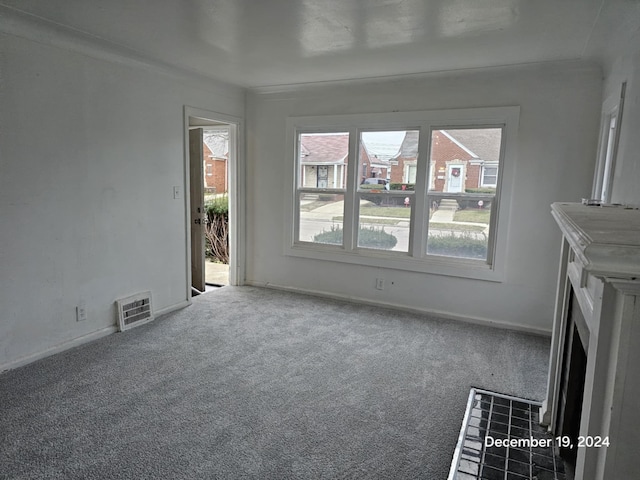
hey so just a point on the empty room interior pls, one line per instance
(432, 239)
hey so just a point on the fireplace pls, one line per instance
(572, 381)
(594, 385)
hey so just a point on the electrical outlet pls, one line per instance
(81, 312)
(379, 283)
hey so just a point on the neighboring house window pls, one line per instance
(410, 173)
(489, 175)
(434, 221)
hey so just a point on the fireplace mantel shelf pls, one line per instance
(598, 306)
(606, 239)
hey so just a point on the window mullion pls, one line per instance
(296, 215)
(420, 211)
(297, 174)
(350, 210)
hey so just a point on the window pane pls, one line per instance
(384, 221)
(322, 160)
(321, 218)
(460, 193)
(490, 176)
(380, 158)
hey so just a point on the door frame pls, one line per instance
(236, 193)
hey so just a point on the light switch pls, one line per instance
(177, 193)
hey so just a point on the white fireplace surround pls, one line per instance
(600, 263)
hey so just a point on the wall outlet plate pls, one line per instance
(81, 312)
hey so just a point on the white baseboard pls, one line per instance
(172, 308)
(396, 306)
(103, 332)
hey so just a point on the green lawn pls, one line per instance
(472, 215)
(395, 212)
(453, 227)
(366, 220)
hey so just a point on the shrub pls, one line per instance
(373, 198)
(327, 197)
(216, 230)
(373, 237)
(332, 236)
(218, 206)
(473, 204)
(480, 190)
(398, 186)
(370, 237)
(452, 245)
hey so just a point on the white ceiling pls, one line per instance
(255, 43)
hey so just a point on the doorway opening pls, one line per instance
(211, 183)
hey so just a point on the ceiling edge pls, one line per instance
(40, 30)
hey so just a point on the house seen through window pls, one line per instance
(427, 192)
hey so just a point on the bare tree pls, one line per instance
(217, 234)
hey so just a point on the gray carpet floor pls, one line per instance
(256, 383)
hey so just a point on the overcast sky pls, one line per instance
(383, 144)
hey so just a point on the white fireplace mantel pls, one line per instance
(600, 270)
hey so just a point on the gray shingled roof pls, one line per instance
(483, 142)
(409, 146)
(218, 143)
(324, 148)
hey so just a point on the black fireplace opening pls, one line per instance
(572, 381)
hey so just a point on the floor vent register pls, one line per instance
(501, 439)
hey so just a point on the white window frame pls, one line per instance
(608, 146)
(497, 175)
(416, 259)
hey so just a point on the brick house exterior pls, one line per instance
(454, 167)
(447, 158)
(215, 171)
(323, 161)
(215, 153)
(371, 166)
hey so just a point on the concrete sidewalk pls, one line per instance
(443, 216)
(216, 273)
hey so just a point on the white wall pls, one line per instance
(559, 118)
(626, 67)
(91, 147)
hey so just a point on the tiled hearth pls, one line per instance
(492, 417)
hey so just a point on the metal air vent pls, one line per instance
(134, 310)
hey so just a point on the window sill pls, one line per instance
(432, 264)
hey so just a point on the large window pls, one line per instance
(419, 191)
